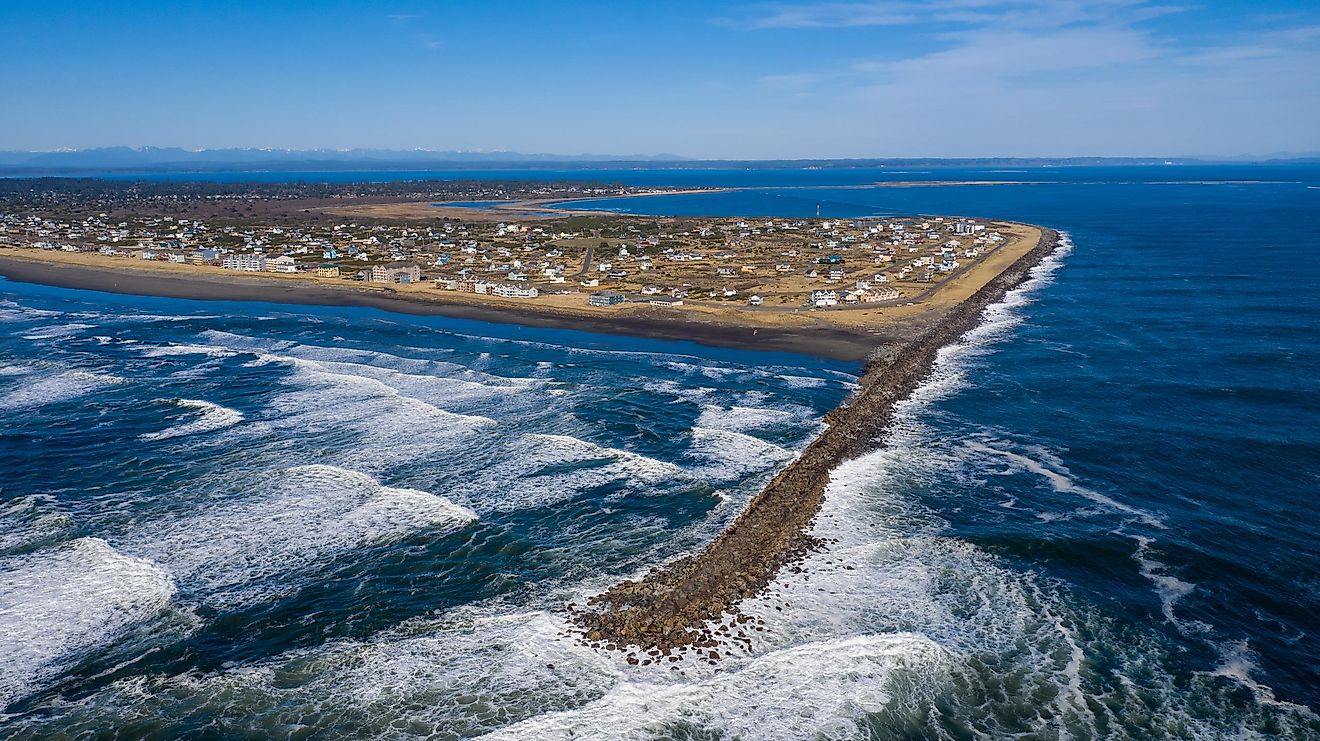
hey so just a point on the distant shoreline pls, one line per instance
(524, 209)
(831, 342)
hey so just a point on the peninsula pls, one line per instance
(887, 291)
(512, 252)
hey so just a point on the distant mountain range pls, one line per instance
(176, 157)
(157, 159)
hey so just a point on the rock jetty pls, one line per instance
(672, 606)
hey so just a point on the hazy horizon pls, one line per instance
(436, 155)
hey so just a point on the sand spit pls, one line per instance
(671, 606)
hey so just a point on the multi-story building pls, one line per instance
(246, 262)
(514, 290)
(606, 298)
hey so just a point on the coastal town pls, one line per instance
(601, 262)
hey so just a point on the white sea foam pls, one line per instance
(537, 470)
(743, 419)
(60, 387)
(224, 553)
(470, 673)
(656, 358)
(12, 311)
(381, 425)
(716, 372)
(166, 317)
(519, 676)
(211, 351)
(438, 382)
(801, 382)
(1050, 468)
(245, 343)
(56, 331)
(723, 455)
(59, 603)
(1169, 588)
(209, 417)
(27, 520)
(694, 394)
(405, 365)
(818, 689)
(436, 389)
(948, 374)
(1237, 662)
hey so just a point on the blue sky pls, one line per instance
(738, 80)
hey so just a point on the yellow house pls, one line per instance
(327, 271)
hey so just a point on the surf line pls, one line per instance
(670, 608)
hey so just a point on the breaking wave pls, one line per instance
(61, 387)
(725, 455)
(537, 470)
(210, 417)
(212, 351)
(59, 604)
(227, 553)
(744, 419)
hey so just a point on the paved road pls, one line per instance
(586, 261)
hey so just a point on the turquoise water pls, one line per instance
(247, 520)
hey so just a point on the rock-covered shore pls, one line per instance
(671, 607)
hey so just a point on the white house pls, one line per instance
(514, 290)
(824, 298)
(282, 264)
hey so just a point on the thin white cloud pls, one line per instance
(796, 81)
(1255, 46)
(1001, 13)
(1019, 77)
(830, 15)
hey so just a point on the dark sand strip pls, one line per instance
(834, 342)
(669, 607)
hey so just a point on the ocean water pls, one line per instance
(1095, 520)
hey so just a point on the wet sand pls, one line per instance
(826, 341)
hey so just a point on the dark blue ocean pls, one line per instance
(229, 520)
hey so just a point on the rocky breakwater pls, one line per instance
(692, 602)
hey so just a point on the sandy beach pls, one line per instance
(112, 276)
(844, 333)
